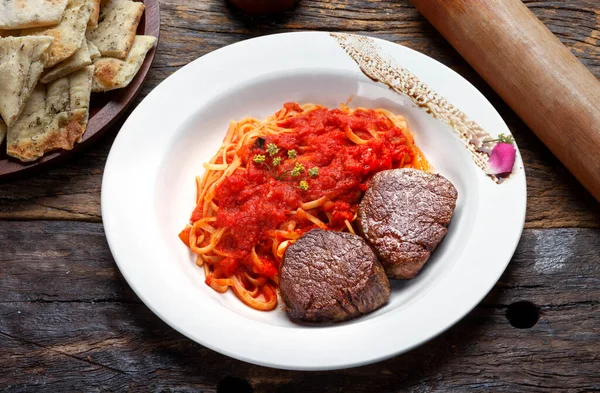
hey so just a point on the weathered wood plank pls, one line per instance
(116, 347)
(71, 191)
(40, 263)
(58, 261)
(86, 330)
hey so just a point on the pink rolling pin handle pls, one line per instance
(541, 80)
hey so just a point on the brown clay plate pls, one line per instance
(105, 108)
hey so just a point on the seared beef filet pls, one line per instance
(329, 276)
(404, 215)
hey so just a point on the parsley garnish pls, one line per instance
(272, 149)
(298, 169)
(502, 138)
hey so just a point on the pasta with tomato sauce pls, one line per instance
(273, 180)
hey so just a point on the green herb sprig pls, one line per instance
(502, 138)
(276, 161)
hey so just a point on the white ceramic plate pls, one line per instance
(148, 193)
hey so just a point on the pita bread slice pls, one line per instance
(107, 5)
(116, 31)
(68, 34)
(94, 13)
(2, 131)
(22, 61)
(21, 14)
(94, 52)
(25, 137)
(54, 118)
(71, 93)
(112, 73)
(80, 59)
(81, 90)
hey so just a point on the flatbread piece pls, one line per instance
(107, 5)
(94, 13)
(116, 31)
(22, 61)
(21, 14)
(68, 34)
(94, 52)
(80, 59)
(54, 118)
(112, 73)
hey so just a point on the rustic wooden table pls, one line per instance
(69, 321)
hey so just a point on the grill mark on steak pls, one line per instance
(328, 276)
(404, 215)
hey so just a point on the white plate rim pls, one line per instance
(119, 232)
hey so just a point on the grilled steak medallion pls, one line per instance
(404, 215)
(329, 276)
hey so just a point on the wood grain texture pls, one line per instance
(69, 322)
(191, 29)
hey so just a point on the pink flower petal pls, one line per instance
(502, 159)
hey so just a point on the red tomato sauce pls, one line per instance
(259, 199)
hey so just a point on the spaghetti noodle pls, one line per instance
(273, 180)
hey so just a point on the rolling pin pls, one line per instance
(541, 80)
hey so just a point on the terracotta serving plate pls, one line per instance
(105, 108)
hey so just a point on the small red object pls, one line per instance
(264, 6)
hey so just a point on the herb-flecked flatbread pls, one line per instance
(52, 54)
(22, 60)
(54, 118)
(94, 13)
(115, 33)
(94, 52)
(68, 34)
(21, 14)
(80, 59)
(110, 73)
(107, 5)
